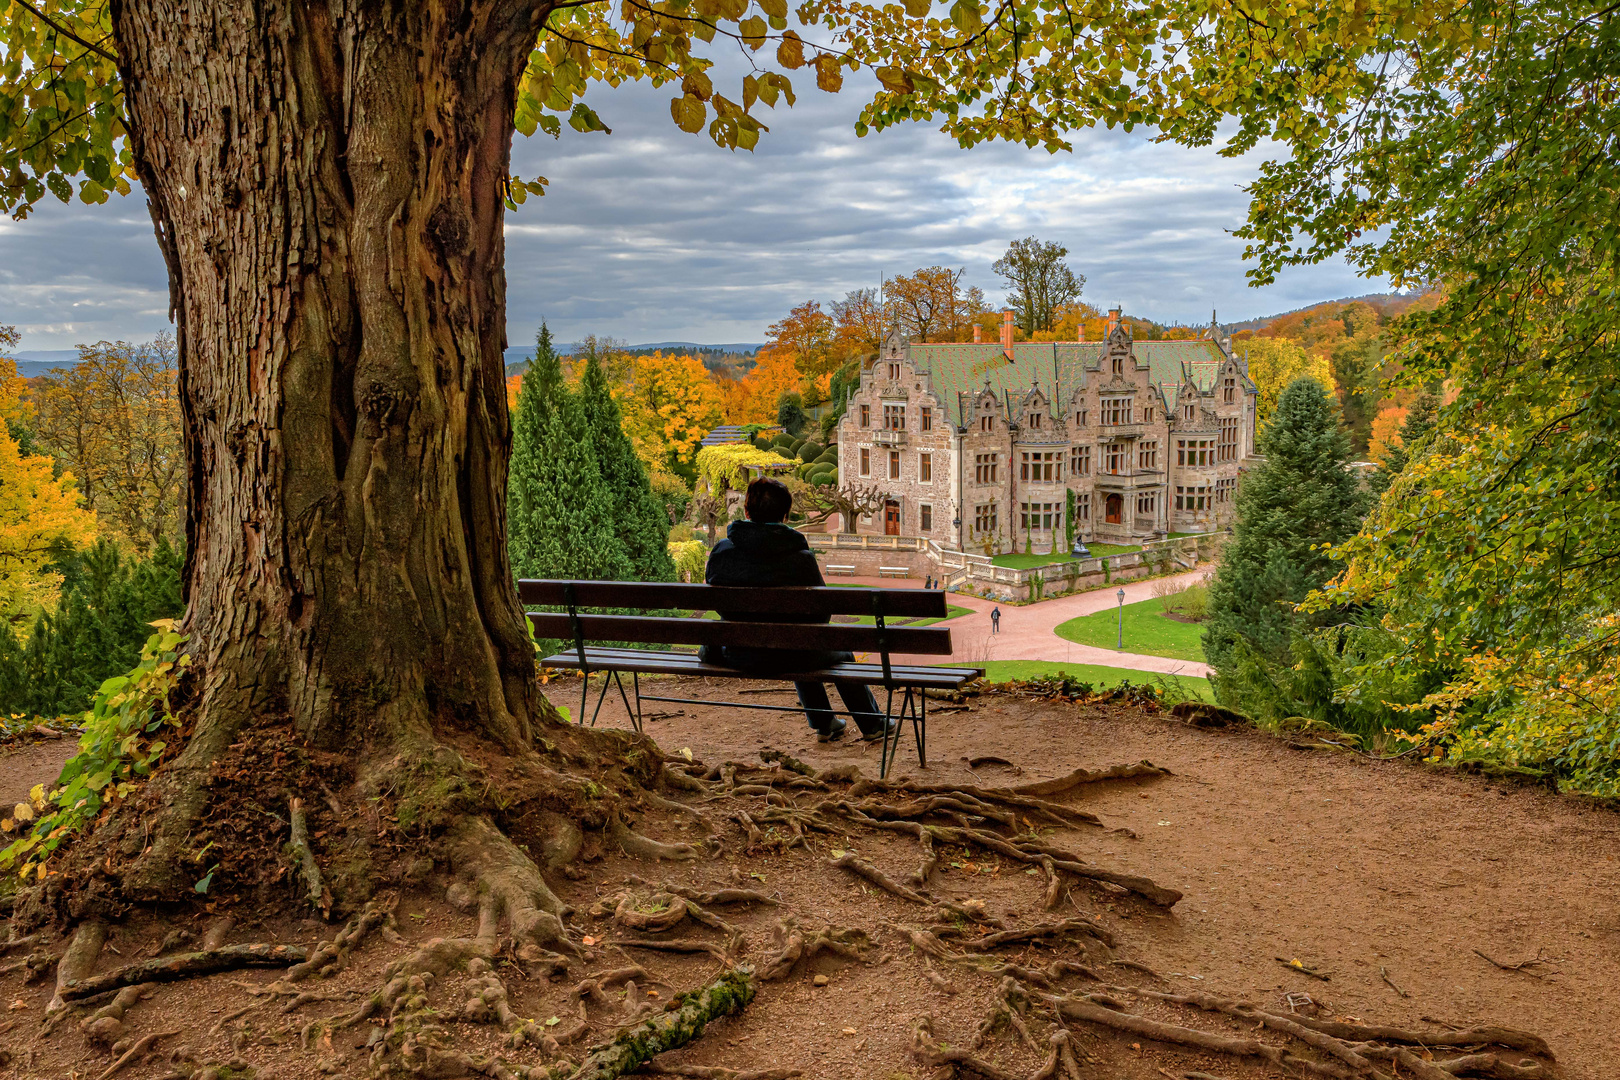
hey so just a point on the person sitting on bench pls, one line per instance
(761, 552)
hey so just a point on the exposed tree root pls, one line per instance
(78, 961)
(684, 1021)
(718, 897)
(928, 1050)
(142, 1045)
(861, 868)
(1039, 932)
(1090, 776)
(314, 889)
(678, 945)
(328, 957)
(644, 847)
(709, 1072)
(793, 946)
(184, 966)
(106, 1025)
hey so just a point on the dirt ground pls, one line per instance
(1375, 873)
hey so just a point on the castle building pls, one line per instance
(1002, 446)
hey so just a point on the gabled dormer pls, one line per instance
(986, 411)
(1035, 412)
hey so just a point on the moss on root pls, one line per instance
(683, 1022)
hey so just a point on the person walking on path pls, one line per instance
(995, 620)
(762, 552)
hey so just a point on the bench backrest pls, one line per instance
(795, 600)
(760, 632)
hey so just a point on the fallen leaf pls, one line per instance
(553, 1021)
(590, 940)
(849, 1031)
(23, 812)
(686, 752)
(1164, 823)
(19, 1004)
(652, 993)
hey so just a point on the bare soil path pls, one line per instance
(1361, 869)
(1353, 866)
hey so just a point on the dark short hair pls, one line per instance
(767, 501)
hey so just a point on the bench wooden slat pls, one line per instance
(920, 641)
(663, 663)
(907, 603)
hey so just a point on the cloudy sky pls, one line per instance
(649, 234)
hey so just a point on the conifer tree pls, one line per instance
(560, 517)
(104, 615)
(1301, 498)
(638, 516)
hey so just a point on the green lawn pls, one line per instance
(1004, 670)
(1147, 631)
(1027, 562)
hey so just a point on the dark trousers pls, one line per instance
(857, 697)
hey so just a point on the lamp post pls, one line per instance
(1121, 595)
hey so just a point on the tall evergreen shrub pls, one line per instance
(638, 517)
(1301, 498)
(559, 513)
(103, 616)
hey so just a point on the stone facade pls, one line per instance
(993, 446)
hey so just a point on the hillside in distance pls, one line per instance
(1387, 304)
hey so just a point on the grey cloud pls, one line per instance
(650, 234)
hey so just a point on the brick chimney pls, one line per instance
(1007, 334)
(1113, 318)
(978, 334)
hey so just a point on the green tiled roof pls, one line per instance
(965, 367)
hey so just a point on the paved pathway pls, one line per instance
(1029, 632)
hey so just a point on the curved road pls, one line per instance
(1029, 632)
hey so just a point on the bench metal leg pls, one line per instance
(888, 711)
(614, 677)
(913, 706)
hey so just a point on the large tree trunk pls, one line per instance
(327, 181)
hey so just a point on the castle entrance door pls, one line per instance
(1114, 510)
(891, 518)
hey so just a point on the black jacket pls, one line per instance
(758, 555)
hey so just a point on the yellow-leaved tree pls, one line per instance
(1276, 362)
(41, 517)
(669, 403)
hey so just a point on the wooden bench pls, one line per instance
(894, 571)
(576, 625)
(844, 570)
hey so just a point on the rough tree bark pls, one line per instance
(326, 181)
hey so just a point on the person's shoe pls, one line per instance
(834, 733)
(874, 736)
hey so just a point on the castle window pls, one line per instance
(927, 419)
(894, 418)
(984, 518)
(1228, 442)
(1082, 506)
(1147, 414)
(1193, 498)
(894, 371)
(1043, 517)
(866, 461)
(1147, 504)
(1119, 457)
(1119, 365)
(925, 468)
(1195, 452)
(1080, 418)
(1080, 461)
(1147, 455)
(1035, 420)
(866, 416)
(1189, 412)
(985, 468)
(1230, 390)
(927, 513)
(894, 464)
(1116, 411)
(1045, 467)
